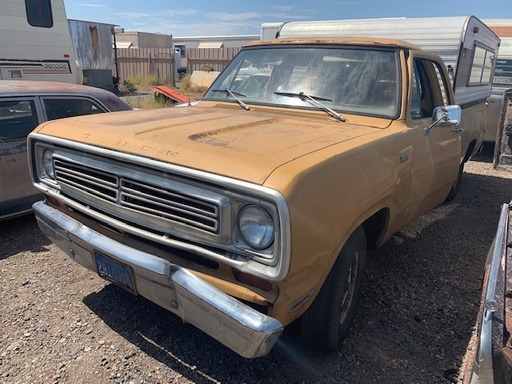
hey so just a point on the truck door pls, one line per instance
(437, 154)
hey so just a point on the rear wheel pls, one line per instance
(327, 321)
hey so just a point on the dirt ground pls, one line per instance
(60, 323)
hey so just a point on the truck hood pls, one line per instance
(246, 145)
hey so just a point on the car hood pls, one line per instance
(246, 145)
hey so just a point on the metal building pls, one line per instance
(92, 42)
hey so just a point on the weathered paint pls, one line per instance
(92, 43)
(333, 175)
(209, 138)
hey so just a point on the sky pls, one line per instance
(222, 17)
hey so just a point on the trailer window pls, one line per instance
(39, 13)
(503, 73)
(481, 68)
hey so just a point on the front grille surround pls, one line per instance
(160, 203)
(230, 196)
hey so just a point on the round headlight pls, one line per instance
(256, 227)
(48, 163)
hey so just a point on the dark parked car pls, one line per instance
(23, 106)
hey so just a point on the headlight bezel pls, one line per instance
(44, 166)
(47, 164)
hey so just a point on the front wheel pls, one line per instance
(327, 321)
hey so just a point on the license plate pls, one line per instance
(116, 272)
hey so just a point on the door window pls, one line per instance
(17, 119)
(58, 108)
(426, 96)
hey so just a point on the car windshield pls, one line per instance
(345, 79)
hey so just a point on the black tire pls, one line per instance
(456, 186)
(327, 321)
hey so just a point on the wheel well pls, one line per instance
(374, 227)
(469, 152)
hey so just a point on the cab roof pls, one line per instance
(354, 41)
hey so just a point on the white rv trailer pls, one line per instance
(35, 42)
(467, 45)
(502, 76)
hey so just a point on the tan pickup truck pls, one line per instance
(256, 206)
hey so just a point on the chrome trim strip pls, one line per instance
(483, 359)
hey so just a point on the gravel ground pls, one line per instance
(60, 323)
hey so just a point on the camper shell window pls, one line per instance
(39, 13)
(481, 68)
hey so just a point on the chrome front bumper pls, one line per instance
(244, 330)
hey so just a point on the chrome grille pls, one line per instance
(95, 182)
(149, 200)
(169, 205)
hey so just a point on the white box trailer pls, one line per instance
(502, 82)
(35, 42)
(499, 113)
(467, 45)
(502, 76)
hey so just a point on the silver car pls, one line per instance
(23, 106)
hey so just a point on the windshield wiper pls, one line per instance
(313, 100)
(234, 95)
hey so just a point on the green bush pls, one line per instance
(127, 88)
(146, 82)
(185, 82)
(153, 80)
(206, 68)
(157, 102)
(136, 80)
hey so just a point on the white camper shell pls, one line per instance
(467, 46)
(502, 77)
(35, 42)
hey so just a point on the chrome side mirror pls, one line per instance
(449, 115)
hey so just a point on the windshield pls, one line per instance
(345, 79)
